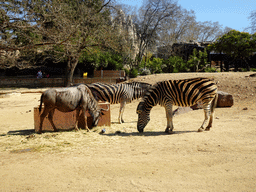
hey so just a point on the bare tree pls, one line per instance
(153, 15)
(179, 29)
(67, 28)
(252, 17)
(209, 31)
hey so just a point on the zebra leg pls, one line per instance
(50, 117)
(121, 112)
(207, 112)
(213, 106)
(169, 113)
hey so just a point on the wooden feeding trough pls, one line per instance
(66, 121)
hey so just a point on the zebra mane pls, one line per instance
(142, 85)
(92, 104)
(149, 90)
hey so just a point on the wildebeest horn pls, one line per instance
(105, 109)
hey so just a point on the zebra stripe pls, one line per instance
(183, 93)
(118, 93)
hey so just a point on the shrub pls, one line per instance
(198, 60)
(133, 73)
(155, 65)
(145, 71)
(175, 64)
(210, 69)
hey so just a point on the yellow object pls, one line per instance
(85, 75)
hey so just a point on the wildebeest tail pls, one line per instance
(41, 102)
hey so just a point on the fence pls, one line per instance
(109, 73)
(105, 77)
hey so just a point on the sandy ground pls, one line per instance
(223, 159)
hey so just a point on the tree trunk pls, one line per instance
(72, 63)
(247, 65)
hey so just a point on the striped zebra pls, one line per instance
(118, 93)
(183, 93)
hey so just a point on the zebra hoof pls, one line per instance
(201, 129)
(170, 132)
(167, 130)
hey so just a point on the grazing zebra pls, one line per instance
(118, 93)
(185, 92)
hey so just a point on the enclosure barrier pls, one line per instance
(104, 76)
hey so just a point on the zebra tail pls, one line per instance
(41, 102)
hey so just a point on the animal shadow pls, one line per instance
(28, 132)
(147, 134)
(22, 132)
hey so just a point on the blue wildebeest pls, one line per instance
(69, 99)
(183, 93)
(119, 93)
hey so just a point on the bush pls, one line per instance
(198, 60)
(210, 69)
(155, 65)
(133, 73)
(145, 71)
(175, 64)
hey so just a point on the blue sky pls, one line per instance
(229, 13)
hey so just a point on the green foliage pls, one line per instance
(210, 69)
(102, 60)
(145, 71)
(251, 69)
(198, 60)
(153, 64)
(133, 73)
(175, 64)
(235, 44)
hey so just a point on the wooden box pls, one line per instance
(66, 121)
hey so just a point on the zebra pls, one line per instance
(123, 93)
(183, 93)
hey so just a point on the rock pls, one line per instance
(225, 99)
(181, 110)
(252, 75)
(121, 79)
(197, 106)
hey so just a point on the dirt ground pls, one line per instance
(222, 159)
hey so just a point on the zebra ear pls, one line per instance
(139, 108)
